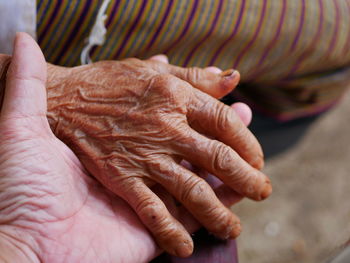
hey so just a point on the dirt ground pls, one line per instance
(307, 218)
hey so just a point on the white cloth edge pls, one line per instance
(16, 16)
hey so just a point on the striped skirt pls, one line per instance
(293, 56)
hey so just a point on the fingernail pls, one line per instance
(267, 190)
(228, 73)
(184, 249)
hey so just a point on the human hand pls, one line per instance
(50, 209)
(131, 122)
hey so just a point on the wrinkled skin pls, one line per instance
(51, 210)
(132, 127)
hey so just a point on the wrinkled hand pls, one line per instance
(132, 122)
(50, 209)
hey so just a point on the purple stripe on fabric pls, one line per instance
(131, 29)
(75, 31)
(112, 14)
(251, 42)
(52, 18)
(109, 21)
(347, 43)
(313, 43)
(47, 6)
(187, 26)
(162, 23)
(199, 43)
(235, 30)
(300, 29)
(273, 41)
(39, 3)
(336, 31)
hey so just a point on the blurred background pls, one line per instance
(307, 218)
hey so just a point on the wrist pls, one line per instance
(14, 249)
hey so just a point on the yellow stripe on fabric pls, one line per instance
(250, 63)
(231, 30)
(204, 45)
(199, 27)
(344, 31)
(167, 31)
(284, 47)
(63, 40)
(136, 30)
(223, 29)
(280, 47)
(250, 20)
(117, 32)
(47, 38)
(113, 32)
(190, 36)
(143, 30)
(237, 43)
(78, 42)
(41, 11)
(206, 24)
(306, 40)
(109, 10)
(246, 48)
(337, 54)
(310, 54)
(47, 14)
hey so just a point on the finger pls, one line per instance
(214, 84)
(211, 117)
(160, 58)
(225, 194)
(220, 160)
(214, 70)
(25, 94)
(168, 232)
(197, 196)
(243, 111)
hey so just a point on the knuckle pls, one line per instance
(164, 80)
(224, 117)
(161, 166)
(222, 223)
(173, 91)
(152, 212)
(194, 190)
(193, 74)
(224, 158)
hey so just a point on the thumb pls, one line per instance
(25, 93)
(213, 83)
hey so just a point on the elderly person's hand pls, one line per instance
(131, 122)
(50, 209)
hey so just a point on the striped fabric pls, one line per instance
(293, 55)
